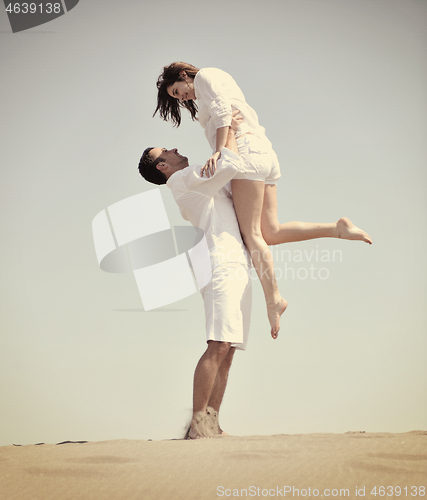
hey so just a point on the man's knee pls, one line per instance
(219, 349)
(226, 363)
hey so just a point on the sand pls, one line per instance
(315, 465)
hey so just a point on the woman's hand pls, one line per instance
(210, 166)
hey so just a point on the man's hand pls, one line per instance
(236, 120)
(210, 166)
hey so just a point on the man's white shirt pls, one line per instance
(207, 203)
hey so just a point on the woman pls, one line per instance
(254, 193)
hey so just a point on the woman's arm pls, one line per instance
(213, 87)
(224, 137)
(221, 139)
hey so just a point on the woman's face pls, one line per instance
(183, 91)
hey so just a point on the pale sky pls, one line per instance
(340, 86)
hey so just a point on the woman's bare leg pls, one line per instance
(275, 233)
(248, 197)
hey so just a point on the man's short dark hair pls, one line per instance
(147, 168)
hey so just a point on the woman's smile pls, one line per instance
(183, 91)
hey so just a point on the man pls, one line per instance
(206, 202)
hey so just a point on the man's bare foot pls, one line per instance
(348, 231)
(274, 311)
(214, 422)
(200, 427)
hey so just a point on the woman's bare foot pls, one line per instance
(274, 311)
(348, 231)
(200, 427)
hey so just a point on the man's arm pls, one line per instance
(228, 166)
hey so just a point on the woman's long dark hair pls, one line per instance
(169, 107)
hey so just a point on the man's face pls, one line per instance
(171, 157)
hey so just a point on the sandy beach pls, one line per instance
(312, 465)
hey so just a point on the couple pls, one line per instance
(233, 199)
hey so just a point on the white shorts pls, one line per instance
(261, 163)
(228, 303)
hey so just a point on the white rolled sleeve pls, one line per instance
(214, 92)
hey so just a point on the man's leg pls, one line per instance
(204, 380)
(218, 390)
